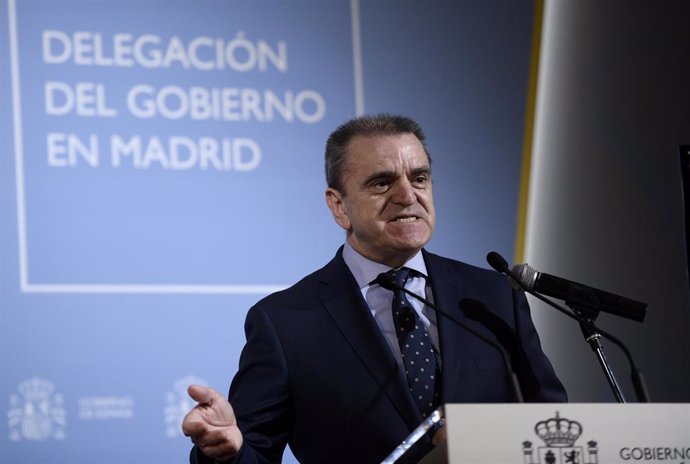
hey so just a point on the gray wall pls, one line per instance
(605, 205)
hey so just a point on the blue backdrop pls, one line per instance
(161, 170)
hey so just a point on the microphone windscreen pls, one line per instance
(497, 262)
(386, 281)
(526, 275)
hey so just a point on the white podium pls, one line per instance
(556, 433)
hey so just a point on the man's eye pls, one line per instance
(420, 180)
(380, 184)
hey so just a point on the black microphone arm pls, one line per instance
(386, 281)
(501, 265)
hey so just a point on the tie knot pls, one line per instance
(400, 276)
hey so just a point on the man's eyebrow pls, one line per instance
(390, 175)
(379, 176)
(420, 170)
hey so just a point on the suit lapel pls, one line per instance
(343, 301)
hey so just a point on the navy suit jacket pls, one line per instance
(316, 371)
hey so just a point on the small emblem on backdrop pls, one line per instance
(37, 412)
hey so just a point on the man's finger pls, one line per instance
(193, 425)
(440, 436)
(201, 394)
(220, 452)
(212, 437)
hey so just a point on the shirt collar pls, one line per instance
(365, 270)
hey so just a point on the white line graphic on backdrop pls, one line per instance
(27, 287)
(357, 57)
(18, 145)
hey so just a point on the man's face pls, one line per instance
(387, 205)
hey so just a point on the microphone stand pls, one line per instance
(587, 323)
(635, 373)
(593, 337)
(511, 377)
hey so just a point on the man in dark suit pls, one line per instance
(327, 364)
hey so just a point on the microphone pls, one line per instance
(386, 281)
(578, 295)
(497, 262)
(501, 265)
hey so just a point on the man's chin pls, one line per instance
(408, 248)
(412, 241)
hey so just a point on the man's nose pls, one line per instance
(403, 193)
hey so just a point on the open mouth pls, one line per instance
(406, 219)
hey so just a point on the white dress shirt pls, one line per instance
(380, 300)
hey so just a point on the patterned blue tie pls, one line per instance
(415, 346)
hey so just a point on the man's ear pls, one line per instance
(334, 200)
